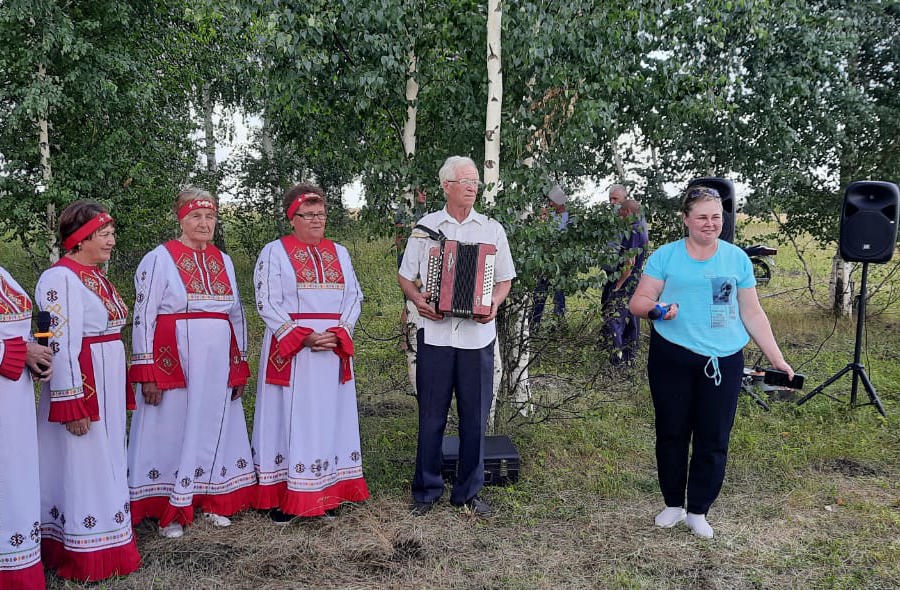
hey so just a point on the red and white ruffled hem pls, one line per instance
(158, 507)
(29, 578)
(90, 566)
(310, 504)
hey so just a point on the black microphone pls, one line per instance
(43, 335)
(42, 321)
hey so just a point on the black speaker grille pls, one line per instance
(869, 221)
(866, 235)
(464, 282)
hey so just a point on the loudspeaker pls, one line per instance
(869, 221)
(725, 187)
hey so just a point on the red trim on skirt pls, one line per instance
(310, 504)
(158, 507)
(29, 578)
(90, 566)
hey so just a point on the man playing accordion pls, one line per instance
(454, 353)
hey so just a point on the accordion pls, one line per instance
(461, 278)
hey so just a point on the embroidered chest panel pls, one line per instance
(94, 280)
(14, 305)
(203, 273)
(314, 266)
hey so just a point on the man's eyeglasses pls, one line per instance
(312, 216)
(473, 182)
(697, 192)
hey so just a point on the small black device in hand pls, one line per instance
(780, 378)
(659, 312)
(42, 321)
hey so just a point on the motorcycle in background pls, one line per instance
(763, 263)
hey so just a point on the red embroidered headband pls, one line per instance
(86, 230)
(196, 204)
(300, 201)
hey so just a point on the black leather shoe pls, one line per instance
(478, 507)
(280, 518)
(420, 509)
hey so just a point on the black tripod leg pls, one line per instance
(746, 387)
(873, 396)
(831, 380)
(859, 372)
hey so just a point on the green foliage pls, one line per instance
(117, 110)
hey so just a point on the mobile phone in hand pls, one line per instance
(780, 378)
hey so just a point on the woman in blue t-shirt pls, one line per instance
(696, 360)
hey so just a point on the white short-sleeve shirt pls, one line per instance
(452, 331)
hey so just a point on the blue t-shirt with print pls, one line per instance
(709, 319)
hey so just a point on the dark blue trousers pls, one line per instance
(441, 371)
(620, 327)
(540, 299)
(691, 412)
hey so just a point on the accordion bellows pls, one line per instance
(461, 278)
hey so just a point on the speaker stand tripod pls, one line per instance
(859, 371)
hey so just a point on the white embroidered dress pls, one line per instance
(192, 450)
(20, 502)
(84, 493)
(306, 434)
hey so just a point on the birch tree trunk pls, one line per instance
(209, 133)
(409, 128)
(409, 314)
(617, 157)
(212, 167)
(46, 176)
(268, 150)
(654, 160)
(494, 103)
(515, 313)
(840, 288)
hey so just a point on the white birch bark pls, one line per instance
(840, 288)
(268, 150)
(46, 176)
(409, 128)
(209, 149)
(209, 131)
(409, 152)
(518, 375)
(532, 148)
(494, 103)
(617, 157)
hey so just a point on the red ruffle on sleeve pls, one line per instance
(292, 343)
(14, 352)
(141, 373)
(63, 411)
(344, 350)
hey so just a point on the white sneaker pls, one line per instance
(698, 525)
(217, 520)
(670, 517)
(172, 530)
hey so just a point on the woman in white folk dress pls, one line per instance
(20, 499)
(305, 429)
(85, 526)
(188, 446)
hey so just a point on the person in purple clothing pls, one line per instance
(622, 329)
